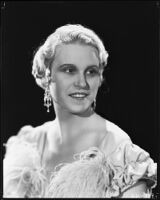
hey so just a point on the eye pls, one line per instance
(69, 70)
(92, 72)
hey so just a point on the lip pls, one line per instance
(79, 93)
(82, 97)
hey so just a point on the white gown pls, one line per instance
(107, 171)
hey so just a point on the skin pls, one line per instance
(76, 68)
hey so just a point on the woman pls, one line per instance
(79, 153)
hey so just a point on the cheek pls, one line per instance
(59, 87)
(94, 84)
(56, 89)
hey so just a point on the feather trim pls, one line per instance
(87, 177)
(23, 174)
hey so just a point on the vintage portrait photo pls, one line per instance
(79, 99)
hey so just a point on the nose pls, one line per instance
(81, 81)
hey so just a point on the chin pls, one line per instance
(79, 110)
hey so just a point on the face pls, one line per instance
(75, 77)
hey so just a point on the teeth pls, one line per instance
(78, 95)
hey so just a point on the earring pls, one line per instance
(47, 98)
(47, 94)
(101, 80)
(94, 104)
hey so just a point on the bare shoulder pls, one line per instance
(108, 127)
(115, 132)
(111, 134)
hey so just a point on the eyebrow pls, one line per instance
(72, 65)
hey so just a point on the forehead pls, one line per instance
(77, 54)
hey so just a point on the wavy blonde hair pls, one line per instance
(66, 34)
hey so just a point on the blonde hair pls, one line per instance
(69, 33)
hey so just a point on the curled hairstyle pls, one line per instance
(66, 34)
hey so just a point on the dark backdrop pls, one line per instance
(130, 33)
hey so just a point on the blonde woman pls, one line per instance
(79, 153)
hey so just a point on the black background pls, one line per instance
(129, 31)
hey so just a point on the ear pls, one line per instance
(49, 76)
(52, 76)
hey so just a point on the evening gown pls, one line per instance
(106, 170)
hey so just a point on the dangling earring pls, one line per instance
(94, 104)
(47, 94)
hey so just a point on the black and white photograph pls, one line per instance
(80, 99)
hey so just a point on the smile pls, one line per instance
(78, 95)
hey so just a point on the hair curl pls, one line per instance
(66, 34)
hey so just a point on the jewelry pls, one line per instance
(94, 104)
(47, 94)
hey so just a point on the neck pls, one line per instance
(69, 124)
